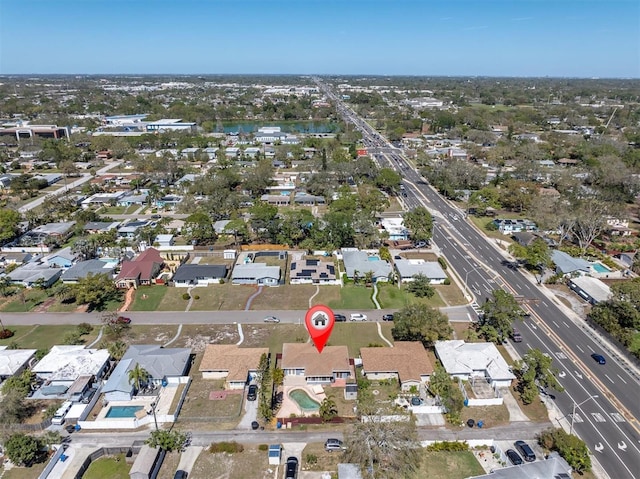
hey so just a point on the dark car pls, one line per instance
(339, 318)
(180, 474)
(292, 468)
(525, 450)
(387, 317)
(70, 428)
(514, 457)
(255, 425)
(599, 358)
(123, 320)
(252, 393)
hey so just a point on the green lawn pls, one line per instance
(448, 465)
(43, 336)
(392, 297)
(353, 297)
(110, 466)
(358, 335)
(25, 300)
(148, 298)
(24, 472)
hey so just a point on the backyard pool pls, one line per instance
(600, 268)
(302, 399)
(373, 258)
(122, 411)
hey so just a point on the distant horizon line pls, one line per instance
(375, 75)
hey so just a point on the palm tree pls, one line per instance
(117, 350)
(138, 376)
(328, 409)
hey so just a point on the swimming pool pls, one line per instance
(373, 258)
(122, 411)
(600, 268)
(302, 399)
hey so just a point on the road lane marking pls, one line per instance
(607, 376)
(621, 379)
(565, 323)
(617, 417)
(561, 355)
(597, 417)
(554, 322)
(578, 346)
(576, 417)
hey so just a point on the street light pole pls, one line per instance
(573, 413)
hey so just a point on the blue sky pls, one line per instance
(585, 38)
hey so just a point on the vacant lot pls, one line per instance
(42, 337)
(198, 406)
(148, 299)
(490, 415)
(197, 336)
(24, 472)
(249, 464)
(448, 465)
(287, 296)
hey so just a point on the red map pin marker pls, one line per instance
(319, 321)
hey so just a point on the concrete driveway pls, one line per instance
(250, 414)
(188, 458)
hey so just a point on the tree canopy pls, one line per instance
(499, 312)
(419, 322)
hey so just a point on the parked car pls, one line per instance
(292, 468)
(516, 336)
(525, 450)
(180, 474)
(514, 457)
(70, 428)
(358, 317)
(271, 319)
(387, 317)
(123, 320)
(252, 393)
(599, 358)
(339, 318)
(331, 445)
(156, 217)
(255, 425)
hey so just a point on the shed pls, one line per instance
(351, 392)
(275, 453)
(144, 463)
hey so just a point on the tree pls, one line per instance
(198, 227)
(9, 221)
(570, 447)
(114, 327)
(138, 376)
(442, 386)
(96, 290)
(533, 371)
(22, 449)
(590, 222)
(420, 287)
(388, 180)
(496, 324)
(166, 440)
(420, 222)
(387, 448)
(537, 255)
(117, 349)
(328, 409)
(419, 322)
(14, 408)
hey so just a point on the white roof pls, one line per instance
(12, 360)
(462, 358)
(411, 267)
(66, 363)
(595, 288)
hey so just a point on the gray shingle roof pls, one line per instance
(84, 268)
(431, 269)
(359, 261)
(568, 264)
(192, 272)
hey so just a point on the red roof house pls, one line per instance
(140, 271)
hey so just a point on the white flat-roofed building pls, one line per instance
(590, 289)
(170, 124)
(409, 268)
(67, 363)
(395, 228)
(13, 361)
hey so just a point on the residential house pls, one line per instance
(407, 362)
(102, 199)
(219, 226)
(626, 259)
(566, 264)
(256, 273)
(64, 365)
(467, 361)
(409, 268)
(590, 289)
(313, 271)
(164, 240)
(236, 365)
(277, 200)
(130, 230)
(302, 359)
(524, 238)
(146, 462)
(169, 201)
(553, 467)
(305, 199)
(50, 178)
(63, 258)
(83, 269)
(95, 227)
(59, 231)
(348, 470)
(132, 199)
(161, 364)
(395, 228)
(510, 226)
(232, 152)
(14, 258)
(618, 227)
(141, 271)
(14, 361)
(359, 263)
(199, 274)
(33, 274)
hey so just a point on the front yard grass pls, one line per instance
(358, 335)
(150, 333)
(287, 296)
(325, 461)
(248, 464)
(25, 300)
(25, 472)
(353, 297)
(197, 404)
(148, 298)
(490, 415)
(113, 467)
(43, 336)
(448, 465)
(392, 297)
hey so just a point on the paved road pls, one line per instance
(609, 422)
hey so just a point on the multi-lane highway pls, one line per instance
(605, 396)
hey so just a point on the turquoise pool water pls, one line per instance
(373, 258)
(123, 411)
(303, 400)
(600, 268)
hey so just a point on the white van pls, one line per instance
(58, 417)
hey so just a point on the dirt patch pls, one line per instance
(248, 464)
(44, 306)
(197, 336)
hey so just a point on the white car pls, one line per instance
(358, 317)
(271, 319)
